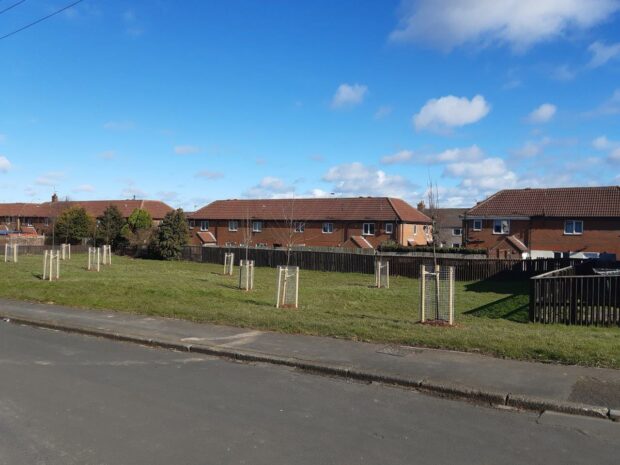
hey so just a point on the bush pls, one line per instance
(73, 225)
(110, 226)
(172, 235)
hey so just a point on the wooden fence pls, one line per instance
(466, 269)
(39, 249)
(564, 296)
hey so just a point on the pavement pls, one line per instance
(70, 399)
(476, 378)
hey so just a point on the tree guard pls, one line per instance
(288, 287)
(437, 295)
(246, 275)
(51, 265)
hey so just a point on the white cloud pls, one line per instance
(348, 95)
(490, 173)
(450, 111)
(614, 156)
(317, 157)
(603, 143)
(50, 179)
(5, 164)
(472, 153)
(403, 156)
(532, 148)
(209, 174)
(186, 149)
(611, 106)
(270, 187)
(357, 179)
(602, 53)
(518, 23)
(168, 196)
(383, 111)
(84, 188)
(563, 73)
(542, 114)
(119, 125)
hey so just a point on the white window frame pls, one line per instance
(573, 231)
(300, 226)
(460, 232)
(191, 224)
(501, 224)
(476, 228)
(257, 226)
(389, 228)
(328, 228)
(233, 225)
(204, 223)
(366, 229)
(415, 229)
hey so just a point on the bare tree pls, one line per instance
(433, 205)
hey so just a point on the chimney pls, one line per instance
(421, 205)
(54, 197)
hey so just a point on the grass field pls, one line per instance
(491, 317)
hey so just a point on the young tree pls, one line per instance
(172, 235)
(110, 225)
(74, 224)
(138, 230)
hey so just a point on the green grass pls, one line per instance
(491, 316)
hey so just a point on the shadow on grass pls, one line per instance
(512, 308)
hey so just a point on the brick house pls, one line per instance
(362, 222)
(545, 222)
(38, 218)
(449, 222)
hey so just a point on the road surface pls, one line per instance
(69, 399)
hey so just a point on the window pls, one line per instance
(233, 225)
(299, 227)
(457, 231)
(415, 229)
(573, 227)
(368, 229)
(204, 225)
(501, 226)
(257, 226)
(192, 224)
(456, 245)
(328, 228)
(46, 222)
(389, 228)
(477, 225)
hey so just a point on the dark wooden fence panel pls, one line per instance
(39, 249)
(466, 269)
(568, 298)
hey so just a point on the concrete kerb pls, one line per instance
(426, 386)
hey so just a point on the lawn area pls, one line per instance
(491, 316)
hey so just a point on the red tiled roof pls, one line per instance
(95, 208)
(554, 202)
(361, 242)
(345, 209)
(206, 237)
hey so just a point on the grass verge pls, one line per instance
(491, 316)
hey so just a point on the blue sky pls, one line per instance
(194, 101)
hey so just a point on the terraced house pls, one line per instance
(36, 219)
(574, 221)
(362, 222)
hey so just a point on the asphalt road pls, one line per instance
(69, 399)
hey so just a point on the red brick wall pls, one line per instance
(485, 239)
(599, 235)
(277, 233)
